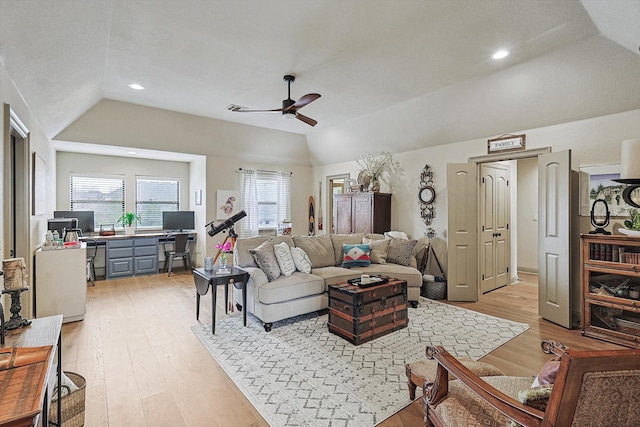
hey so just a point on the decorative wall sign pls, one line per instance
(427, 195)
(506, 143)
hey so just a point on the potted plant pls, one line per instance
(128, 220)
(374, 165)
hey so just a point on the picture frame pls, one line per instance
(227, 203)
(39, 184)
(506, 143)
(596, 182)
(198, 197)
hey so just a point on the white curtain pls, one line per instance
(283, 180)
(249, 193)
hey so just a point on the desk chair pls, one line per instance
(180, 250)
(92, 250)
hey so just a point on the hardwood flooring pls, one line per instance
(144, 366)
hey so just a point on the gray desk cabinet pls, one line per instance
(132, 256)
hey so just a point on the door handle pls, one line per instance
(497, 234)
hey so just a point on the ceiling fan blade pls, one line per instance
(307, 120)
(257, 111)
(304, 100)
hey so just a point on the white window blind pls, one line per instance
(266, 198)
(102, 195)
(153, 196)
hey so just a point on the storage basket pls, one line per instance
(72, 404)
(436, 290)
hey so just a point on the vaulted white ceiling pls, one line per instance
(366, 57)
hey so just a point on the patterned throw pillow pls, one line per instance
(356, 255)
(301, 260)
(285, 260)
(400, 251)
(379, 250)
(266, 260)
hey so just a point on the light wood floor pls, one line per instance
(144, 366)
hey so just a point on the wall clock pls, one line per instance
(427, 195)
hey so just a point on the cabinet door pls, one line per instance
(362, 213)
(342, 209)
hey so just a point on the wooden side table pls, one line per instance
(45, 331)
(210, 278)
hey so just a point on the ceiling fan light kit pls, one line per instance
(289, 106)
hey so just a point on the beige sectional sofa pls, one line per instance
(301, 293)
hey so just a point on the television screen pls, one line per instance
(85, 219)
(178, 220)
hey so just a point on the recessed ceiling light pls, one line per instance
(500, 54)
(136, 86)
(132, 152)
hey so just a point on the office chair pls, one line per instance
(92, 250)
(180, 250)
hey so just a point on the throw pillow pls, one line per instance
(379, 250)
(548, 372)
(339, 240)
(396, 235)
(266, 260)
(301, 260)
(285, 260)
(535, 397)
(357, 255)
(400, 251)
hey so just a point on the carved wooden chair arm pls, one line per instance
(435, 391)
(553, 347)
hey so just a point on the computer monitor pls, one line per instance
(62, 224)
(85, 219)
(178, 220)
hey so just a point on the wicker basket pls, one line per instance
(72, 404)
(436, 290)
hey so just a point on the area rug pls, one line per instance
(300, 374)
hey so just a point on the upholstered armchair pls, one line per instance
(592, 388)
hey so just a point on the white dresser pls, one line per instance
(61, 283)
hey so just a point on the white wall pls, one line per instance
(592, 141)
(39, 143)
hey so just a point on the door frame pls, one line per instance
(14, 127)
(328, 198)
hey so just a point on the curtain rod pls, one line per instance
(262, 170)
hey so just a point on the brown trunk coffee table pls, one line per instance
(360, 314)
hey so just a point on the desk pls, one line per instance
(46, 331)
(208, 278)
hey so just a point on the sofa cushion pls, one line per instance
(356, 255)
(282, 252)
(301, 260)
(266, 260)
(401, 251)
(412, 276)
(334, 275)
(379, 249)
(298, 285)
(339, 240)
(319, 249)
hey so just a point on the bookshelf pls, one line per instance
(611, 288)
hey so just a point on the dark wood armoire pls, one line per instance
(362, 213)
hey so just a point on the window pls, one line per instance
(266, 198)
(153, 196)
(102, 195)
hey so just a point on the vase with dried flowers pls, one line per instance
(374, 165)
(226, 249)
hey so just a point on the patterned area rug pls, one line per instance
(300, 374)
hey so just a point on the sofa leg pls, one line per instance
(414, 304)
(238, 307)
(268, 326)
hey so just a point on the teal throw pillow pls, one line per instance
(356, 255)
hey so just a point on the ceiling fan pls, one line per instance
(289, 106)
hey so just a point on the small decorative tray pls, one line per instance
(373, 281)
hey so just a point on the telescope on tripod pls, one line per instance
(226, 225)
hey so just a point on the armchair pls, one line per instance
(592, 388)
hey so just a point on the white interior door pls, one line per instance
(494, 226)
(462, 217)
(554, 235)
